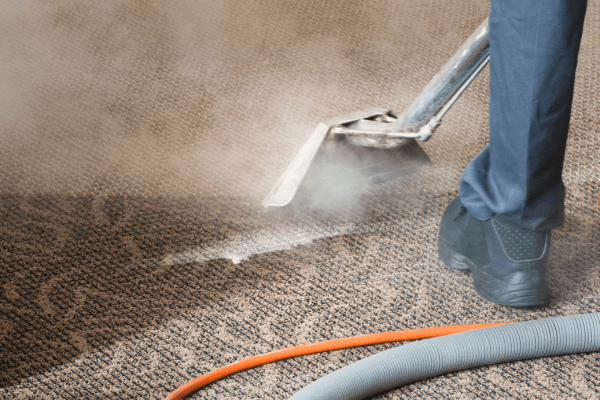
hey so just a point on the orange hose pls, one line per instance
(319, 347)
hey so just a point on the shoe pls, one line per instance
(508, 264)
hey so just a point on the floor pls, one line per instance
(138, 140)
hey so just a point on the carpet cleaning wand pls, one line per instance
(380, 127)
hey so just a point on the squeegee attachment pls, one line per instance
(379, 127)
(284, 190)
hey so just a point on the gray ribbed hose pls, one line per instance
(432, 357)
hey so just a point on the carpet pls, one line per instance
(138, 139)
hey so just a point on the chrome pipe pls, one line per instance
(446, 82)
(419, 119)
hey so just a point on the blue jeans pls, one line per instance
(533, 56)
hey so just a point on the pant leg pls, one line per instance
(533, 56)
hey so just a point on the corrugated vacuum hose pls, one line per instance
(441, 355)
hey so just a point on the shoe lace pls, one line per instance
(462, 212)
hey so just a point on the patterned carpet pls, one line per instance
(138, 139)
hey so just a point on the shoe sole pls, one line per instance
(525, 293)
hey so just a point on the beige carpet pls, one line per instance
(138, 139)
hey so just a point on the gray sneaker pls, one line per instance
(508, 264)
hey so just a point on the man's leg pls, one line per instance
(511, 194)
(533, 55)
